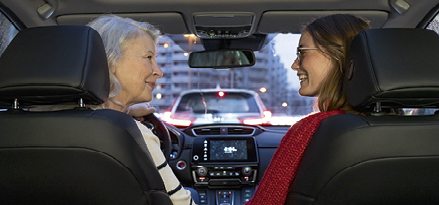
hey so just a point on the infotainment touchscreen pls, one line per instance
(228, 149)
(224, 149)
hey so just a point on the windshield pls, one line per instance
(271, 78)
(220, 102)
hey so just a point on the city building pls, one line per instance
(268, 77)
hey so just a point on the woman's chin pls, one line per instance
(144, 99)
(307, 93)
(303, 92)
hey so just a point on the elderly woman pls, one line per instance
(131, 50)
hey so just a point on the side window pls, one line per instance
(434, 24)
(7, 32)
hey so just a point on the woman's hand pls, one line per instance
(140, 110)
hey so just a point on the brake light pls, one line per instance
(221, 93)
(254, 121)
(166, 115)
(258, 121)
(267, 115)
(176, 122)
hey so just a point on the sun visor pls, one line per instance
(167, 23)
(294, 21)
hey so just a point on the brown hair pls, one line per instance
(334, 35)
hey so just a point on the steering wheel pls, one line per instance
(159, 129)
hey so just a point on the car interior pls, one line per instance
(48, 57)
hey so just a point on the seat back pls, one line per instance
(75, 156)
(378, 158)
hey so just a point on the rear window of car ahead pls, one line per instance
(200, 103)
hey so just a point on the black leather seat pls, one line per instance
(76, 156)
(378, 158)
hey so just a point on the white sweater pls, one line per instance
(177, 193)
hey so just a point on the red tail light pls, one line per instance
(175, 121)
(258, 121)
(267, 115)
(251, 121)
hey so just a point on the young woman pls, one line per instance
(320, 66)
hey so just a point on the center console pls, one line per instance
(226, 166)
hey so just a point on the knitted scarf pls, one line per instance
(275, 184)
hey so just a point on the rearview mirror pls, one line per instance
(222, 59)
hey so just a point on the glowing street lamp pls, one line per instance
(158, 96)
(263, 90)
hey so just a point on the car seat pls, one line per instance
(378, 158)
(75, 156)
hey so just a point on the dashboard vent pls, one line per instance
(240, 131)
(224, 130)
(207, 131)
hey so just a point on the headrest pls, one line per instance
(397, 67)
(55, 64)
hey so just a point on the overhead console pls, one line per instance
(223, 24)
(224, 161)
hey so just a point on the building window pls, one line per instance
(7, 32)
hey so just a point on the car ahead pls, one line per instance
(218, 106)
(224, 160)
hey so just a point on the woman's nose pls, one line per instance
(157, 71)
(295, 65)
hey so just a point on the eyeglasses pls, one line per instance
(300, 52)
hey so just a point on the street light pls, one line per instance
(263, 90)
(158, 96)
(284, 104)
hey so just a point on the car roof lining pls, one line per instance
(27, 10)
(177, 17)
(167, 22)
(298, 19)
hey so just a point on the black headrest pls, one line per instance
(397, 67)
(55, 64)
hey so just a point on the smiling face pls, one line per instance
(137, 71)
(312, 68)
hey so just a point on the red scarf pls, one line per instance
(275, 184)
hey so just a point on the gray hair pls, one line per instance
(115, 32)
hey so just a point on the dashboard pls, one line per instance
(223, 163)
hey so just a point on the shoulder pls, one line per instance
(146, 132)
(142, 127)
(326, 114)
(316, 118)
